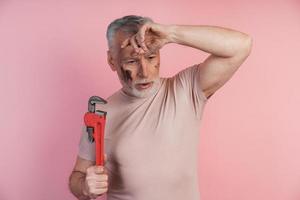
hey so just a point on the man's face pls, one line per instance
(138, 73)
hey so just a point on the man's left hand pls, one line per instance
(150, 37)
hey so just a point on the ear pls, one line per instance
(110, 61)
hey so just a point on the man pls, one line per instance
(152, 130)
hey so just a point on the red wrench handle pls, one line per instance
(97, 122)
(99, 141)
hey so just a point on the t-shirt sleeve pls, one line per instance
(86, 149)
(187, 84)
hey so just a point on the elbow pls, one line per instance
(243, 52)
(247, 45)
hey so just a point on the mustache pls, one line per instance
(141, 81)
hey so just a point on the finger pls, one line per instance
(95, 177)
(143, 46)
(94, 187)
(97, 185)
(99, 191)
(99, 169)
(125, 43)
(134, 44)
(101, 184)
(141, 37)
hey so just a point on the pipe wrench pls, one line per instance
(95, 125)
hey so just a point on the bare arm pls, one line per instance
(88, 181)
(228, 49)
(77, 178)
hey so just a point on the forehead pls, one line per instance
(119, 38)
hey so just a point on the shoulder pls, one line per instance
(185, 77)
(111, 100)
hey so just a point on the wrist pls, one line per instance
(171, 33)
(83, 187)
(168, 31)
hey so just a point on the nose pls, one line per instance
(143, 69)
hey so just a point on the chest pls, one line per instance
(153, 140)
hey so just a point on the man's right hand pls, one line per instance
(96, 182)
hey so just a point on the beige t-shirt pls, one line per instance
(152, 143)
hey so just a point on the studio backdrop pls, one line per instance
(53, 58)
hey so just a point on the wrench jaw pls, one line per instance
(101, 113)
(93, 100)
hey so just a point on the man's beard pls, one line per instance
(130, 89)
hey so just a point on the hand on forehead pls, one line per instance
(130, 52)
(141, 44)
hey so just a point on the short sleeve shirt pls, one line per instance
(152, 143)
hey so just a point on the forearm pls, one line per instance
(76, 182)
(219, 41)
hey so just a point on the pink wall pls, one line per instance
(53, 57)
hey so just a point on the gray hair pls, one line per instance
(128, 24)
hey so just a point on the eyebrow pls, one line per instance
(151, 53)
(127, 58)
(135, 55)
(146, 54)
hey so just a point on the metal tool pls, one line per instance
(95, 125)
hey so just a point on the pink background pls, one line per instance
(53, 57)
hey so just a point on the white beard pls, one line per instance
(132, 91)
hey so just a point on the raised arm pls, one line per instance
(228, 48)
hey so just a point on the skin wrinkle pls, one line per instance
(129, 65)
